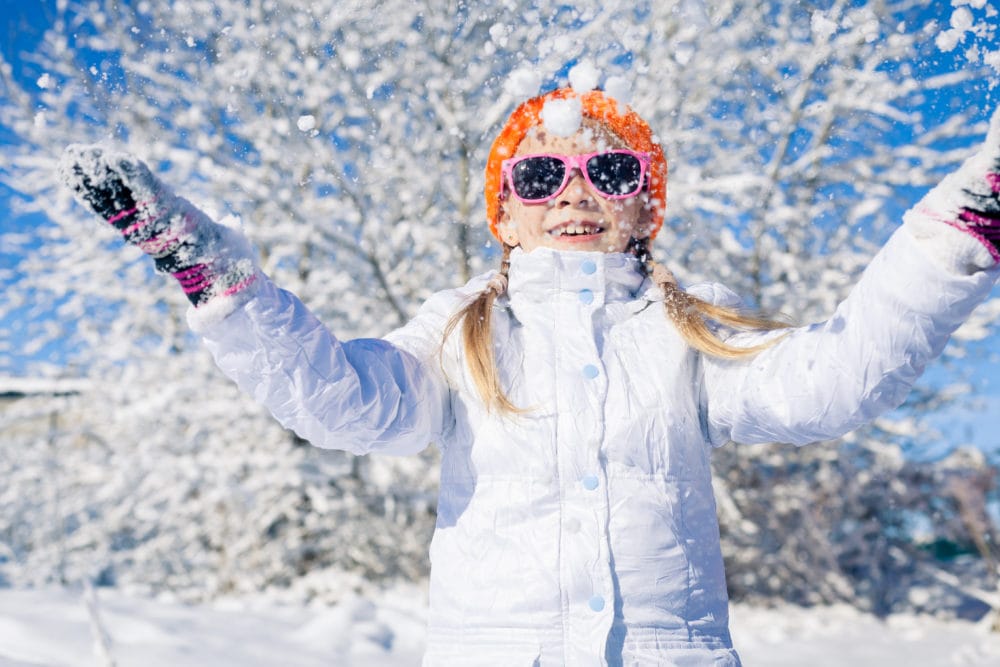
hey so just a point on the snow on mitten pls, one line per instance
(210, 261)
(969, 198)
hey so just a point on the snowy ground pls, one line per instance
(55, 628)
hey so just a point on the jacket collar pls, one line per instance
(544, 273)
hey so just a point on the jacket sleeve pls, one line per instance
(821, 381)
(362, 396)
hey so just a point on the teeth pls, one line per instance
(577, 229)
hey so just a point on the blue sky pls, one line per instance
(22, 22)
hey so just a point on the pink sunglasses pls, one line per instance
(615, 174)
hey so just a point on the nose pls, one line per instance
(577, 192)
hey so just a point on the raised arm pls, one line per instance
(364, 395)
(361, 396)
(820, 381)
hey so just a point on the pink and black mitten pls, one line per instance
(969, 198)
(209, 260)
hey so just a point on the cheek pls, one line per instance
(626, 212)
(523, 216)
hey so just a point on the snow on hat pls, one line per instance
(594, 104)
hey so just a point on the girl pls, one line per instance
(576, 393)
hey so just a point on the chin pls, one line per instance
(587, 243)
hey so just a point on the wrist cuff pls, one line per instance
(951, 246)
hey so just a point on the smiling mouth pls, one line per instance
(577, 229)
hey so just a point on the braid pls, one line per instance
(498, 283)
(477, 339)
(690, 314)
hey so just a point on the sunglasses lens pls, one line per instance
(615, 174)
(538, 177)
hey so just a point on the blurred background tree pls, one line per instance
(349, 140)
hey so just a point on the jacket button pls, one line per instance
(596, 603)
(590, 482)
(590, 371)
(588, 267)
(586, 296)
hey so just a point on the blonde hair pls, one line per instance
(476, 319)
(690, 315)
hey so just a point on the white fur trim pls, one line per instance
(222, 306)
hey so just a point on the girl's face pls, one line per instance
(578, 218)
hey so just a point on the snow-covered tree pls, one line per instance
(349, 139)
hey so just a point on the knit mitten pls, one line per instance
(209, 260)
(969, 198)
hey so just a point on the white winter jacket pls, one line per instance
(584, 532)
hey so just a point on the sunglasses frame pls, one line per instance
(571, 162)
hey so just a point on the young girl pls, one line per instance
(576, 393)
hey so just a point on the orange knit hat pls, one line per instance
(617, 117)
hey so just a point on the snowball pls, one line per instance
(306, 123)
(523, 82)
(919, 596)
(584, 76)
(351, 58)
(992, 58)
(563, 45)
(618, 88)
(683, 54)
(961, 19)
(44, 81)
(499, 33)
(822, 27)
(872, 30)
(948, 39)
(562, 117)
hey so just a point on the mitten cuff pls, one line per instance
(950, 245)
(220, 306)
